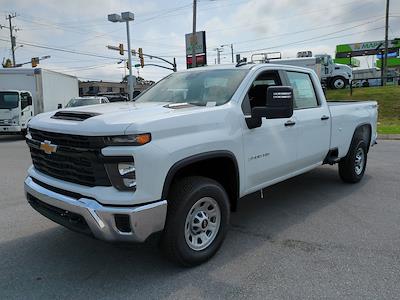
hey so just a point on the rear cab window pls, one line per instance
(304, 95)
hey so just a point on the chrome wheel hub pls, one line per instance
(202, 223)
(359, 161)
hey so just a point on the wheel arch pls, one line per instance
(363, 130)
(220, 165)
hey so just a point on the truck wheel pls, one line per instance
(338, 83)
(352, 167)
(197, 220)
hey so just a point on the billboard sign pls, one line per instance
(366, 48)
(198, 42)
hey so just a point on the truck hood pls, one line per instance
(109, 119)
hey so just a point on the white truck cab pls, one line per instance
(336, 76)
(15, 111)
(177, 160)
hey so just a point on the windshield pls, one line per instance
(82, 102)
(9, 100)
(205, 87)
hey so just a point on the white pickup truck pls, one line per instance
(177, 160)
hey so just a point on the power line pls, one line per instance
(308, 40)
(62, 50)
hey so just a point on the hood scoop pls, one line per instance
(74, 115)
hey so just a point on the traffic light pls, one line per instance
(140, 51)
(34, 61)
(121, 49)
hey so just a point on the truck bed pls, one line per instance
(346, 116)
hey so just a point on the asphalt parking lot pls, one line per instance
(310, 237)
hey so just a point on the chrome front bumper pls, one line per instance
(100, 220)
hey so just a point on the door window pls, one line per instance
(257, 94)
(303, 90)
(24, 100)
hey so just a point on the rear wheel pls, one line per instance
(352, 167)
(197, 220)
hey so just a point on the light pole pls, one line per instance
(227, 45)
(126, 17)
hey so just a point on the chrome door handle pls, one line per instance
(324, 117)
(290, 123)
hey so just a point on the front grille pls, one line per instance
(76, 160)
(68, 140)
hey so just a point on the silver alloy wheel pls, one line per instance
(359, 161)
(202, 223)
(339, 83)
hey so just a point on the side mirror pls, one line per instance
(279, 105)
(59, 106)
(29, 100)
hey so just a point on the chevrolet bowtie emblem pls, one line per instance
(48, 147)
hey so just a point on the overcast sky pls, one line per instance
(160, 26)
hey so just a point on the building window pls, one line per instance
(121, 90)
(109, 89)
(80, 91)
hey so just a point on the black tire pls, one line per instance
(337, 78)
(184, 194)
(347, 166)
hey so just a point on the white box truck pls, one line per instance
(25, 93)
(332, 75)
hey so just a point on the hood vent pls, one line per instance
(74, 115)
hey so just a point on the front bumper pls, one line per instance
(109, 223)
(10, 129)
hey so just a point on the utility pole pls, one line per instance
(231, 45)
(12, 37)
(219, 50)
(384, 61)
(194, 41)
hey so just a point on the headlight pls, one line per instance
(128, 140)
(122, 175)
(15, 119)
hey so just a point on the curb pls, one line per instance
(395, 137)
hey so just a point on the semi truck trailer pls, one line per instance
(25, 93)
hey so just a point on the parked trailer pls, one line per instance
(25, 93)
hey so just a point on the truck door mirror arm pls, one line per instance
(279, 104)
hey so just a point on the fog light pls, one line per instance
(126, 168)
(130, 183)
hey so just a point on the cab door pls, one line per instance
(26, 109)
(312, 120)
(271, 149)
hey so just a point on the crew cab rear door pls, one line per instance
(312, 118)
(271, 149)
